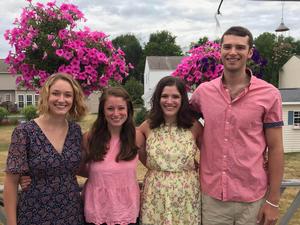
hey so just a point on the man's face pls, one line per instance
(235, 52)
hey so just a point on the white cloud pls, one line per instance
(188, 20)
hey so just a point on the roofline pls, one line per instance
(291, 103)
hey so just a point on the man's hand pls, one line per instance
(268, 215)
(24, 182)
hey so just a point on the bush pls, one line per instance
(140, 116)
(29, 112)
(3, 113)
(135, 90)
(10, 106)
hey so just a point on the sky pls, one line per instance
(188, 20)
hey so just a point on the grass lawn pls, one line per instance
(292, 166)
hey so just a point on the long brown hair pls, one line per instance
(100, 136)
(184, 116)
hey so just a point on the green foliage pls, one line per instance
(277, 50)
(3, 113)
(133, 52)
(29, 112)
(162, 43)
(140, 116)
(135, 90)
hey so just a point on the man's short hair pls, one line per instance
(239, 31)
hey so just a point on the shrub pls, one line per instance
(3, 113)
(135, 90)
(29, 112)
(140, 116)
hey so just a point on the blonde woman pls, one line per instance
(48, 150)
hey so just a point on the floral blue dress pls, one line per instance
(53, 197)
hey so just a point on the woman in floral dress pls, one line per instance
(48, 150)
(171, 193)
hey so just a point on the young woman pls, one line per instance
(48, 150)
(171, 193)
(111, 193)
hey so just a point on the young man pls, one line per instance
(243, 120)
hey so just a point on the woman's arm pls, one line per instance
(10, 197)
(83, 169)
(141, 137)
(197, 131)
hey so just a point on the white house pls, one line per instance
(289, 86)
(9, 91)
(157, 67)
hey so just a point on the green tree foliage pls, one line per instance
(135, 90)
(140, 116)
(162, 43)
(277, 50)
(133, 53)
(29, 112)
(201, 41)
(3, 113)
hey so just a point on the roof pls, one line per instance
(290, 94)
(163, 62)
(3, 66)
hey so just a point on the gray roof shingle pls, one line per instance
(3, 66)
(163, 62)
(290, 94)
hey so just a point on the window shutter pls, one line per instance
(290, 117)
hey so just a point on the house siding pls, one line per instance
(289, 76)
(291, 136)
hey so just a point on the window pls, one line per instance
(36, 99)
(29, 100)
(297, 118)
(294, 119)
(7, 98)
(21, 101)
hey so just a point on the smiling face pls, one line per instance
(235, 52)
(115, 112)
(61, 96)
(170, 103)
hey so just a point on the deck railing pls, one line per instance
(284, 220)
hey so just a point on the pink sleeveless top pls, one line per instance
(111, 193)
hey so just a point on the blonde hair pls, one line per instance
(78, 109)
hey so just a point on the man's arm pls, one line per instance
(269, 211)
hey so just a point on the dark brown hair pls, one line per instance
(241, 32)
(184, 115)
(100, 136)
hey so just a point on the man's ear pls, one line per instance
(250, 53)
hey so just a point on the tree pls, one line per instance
(162, 43)
(133, 52)
(135, 90)
(201, 41)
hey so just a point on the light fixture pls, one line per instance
(282, 27)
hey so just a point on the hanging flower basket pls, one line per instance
(45, 41)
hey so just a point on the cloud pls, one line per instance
(188, 20)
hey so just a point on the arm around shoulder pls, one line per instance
(197, 131)
(141, 137)
(83, 170)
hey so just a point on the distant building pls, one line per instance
(289, 86)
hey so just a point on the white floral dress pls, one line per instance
(171, 193)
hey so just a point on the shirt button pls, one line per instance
(225, 139)
(227, 122)
(224, 172)
(224, 156)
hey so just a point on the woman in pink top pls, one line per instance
(111, 193)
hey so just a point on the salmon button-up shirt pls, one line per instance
(234, 143)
